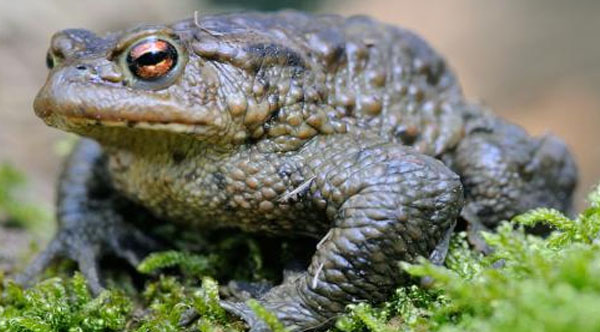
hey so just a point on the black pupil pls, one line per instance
(152, 58)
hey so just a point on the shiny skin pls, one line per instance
(345, 130)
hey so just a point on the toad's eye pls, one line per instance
(151, 59)
(49, 60)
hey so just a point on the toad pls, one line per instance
(348, 131)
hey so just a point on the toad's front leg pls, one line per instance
(94, 220)
(386, 204)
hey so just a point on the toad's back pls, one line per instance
(338, 71)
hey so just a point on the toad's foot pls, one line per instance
(300, 314)
(92, 239)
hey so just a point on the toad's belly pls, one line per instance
(202, 195)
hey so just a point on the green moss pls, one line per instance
(191, 265)
(527, 284)
(61, 305)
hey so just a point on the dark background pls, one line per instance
(536, 62)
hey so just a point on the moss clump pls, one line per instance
(526, 284)
(62, 305)
(190, 264)
(168, 304)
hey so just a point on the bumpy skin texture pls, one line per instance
(340, 129)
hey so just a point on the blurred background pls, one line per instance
(535, 62)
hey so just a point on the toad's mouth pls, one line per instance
(82, 107)
(63, 121)
(93, 124)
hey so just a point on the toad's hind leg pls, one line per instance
(387, 204)
(506, 172)
(92, 220)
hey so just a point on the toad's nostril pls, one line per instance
(81, 67)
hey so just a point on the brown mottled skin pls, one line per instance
(341, 129)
